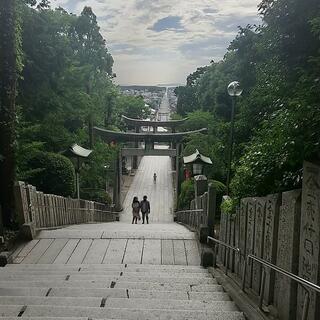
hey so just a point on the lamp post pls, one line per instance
(197, 160)
(78, 155)
(234, 90)
(107, 167)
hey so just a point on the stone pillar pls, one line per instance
(231, 240)
(270, 242)
(173, 143)
(200, 185)
(178, 182)
(223, 233)
(236, 241)
(242, 232)
(285, 293)
(21, 203)
(117, 184)
(309, 255)
(136, 145)
(211, 209)
(258, 242)
(251, 220)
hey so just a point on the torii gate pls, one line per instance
(173, 138)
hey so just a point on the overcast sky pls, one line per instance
(162, 41)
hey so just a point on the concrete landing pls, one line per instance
(112, 243)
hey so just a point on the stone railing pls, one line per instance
(283, 229)
(192, 218)
(46, 210)
(200, 216)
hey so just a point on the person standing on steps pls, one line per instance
(135, 210)
(145, 209)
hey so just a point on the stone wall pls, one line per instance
(283, 229)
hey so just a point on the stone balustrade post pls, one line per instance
(211, 209)
(309, 254)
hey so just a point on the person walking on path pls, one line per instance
(145, 209)
(135, 210)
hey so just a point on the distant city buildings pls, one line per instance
(152, 95)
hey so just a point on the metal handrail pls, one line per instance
(189, 210)
(303, 282)
(228, 246)
(224, 244)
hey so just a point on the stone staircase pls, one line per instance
(119, 291)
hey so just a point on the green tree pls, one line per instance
(52, 173)
(10, 67)
(276, 117)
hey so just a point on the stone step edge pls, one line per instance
(158, 300)
(219, 313)
(126, 309)
(46, 290)
(107, 265)
(105, 273)
(44, 283)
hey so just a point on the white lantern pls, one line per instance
(197, 168)
(234, 89)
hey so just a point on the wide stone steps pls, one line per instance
(132, 292)
(109, 267)
(114, 293)
(129, 314)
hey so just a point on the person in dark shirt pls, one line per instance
(145, 209)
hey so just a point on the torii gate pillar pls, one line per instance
(135, 158)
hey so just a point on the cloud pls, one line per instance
(208, 49)
(232, 22)
(172, 23)
(155, 41)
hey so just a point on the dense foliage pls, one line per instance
(186, 195)
(52, 173)
(66, 86)
(278, 115)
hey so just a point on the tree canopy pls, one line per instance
(67, 83)
(278, 114)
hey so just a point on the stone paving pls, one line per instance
(112, 243)
(160, 194)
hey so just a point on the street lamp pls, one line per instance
(234, 90)
(78, 154)
(107, 167)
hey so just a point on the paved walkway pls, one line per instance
(164, 111)
(160, 194)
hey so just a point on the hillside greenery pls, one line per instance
(66, 83)
(278, 115)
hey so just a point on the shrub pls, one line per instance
(186, 194)
(53, 173)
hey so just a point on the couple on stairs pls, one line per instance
(144, 206)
